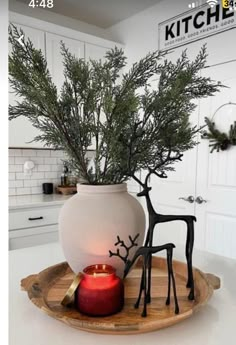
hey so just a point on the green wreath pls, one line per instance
(219, 140)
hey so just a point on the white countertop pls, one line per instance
(37, 200)
(213, 325)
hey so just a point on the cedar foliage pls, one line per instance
(131, 125)
(219, 140)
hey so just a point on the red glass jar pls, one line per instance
(100, 292)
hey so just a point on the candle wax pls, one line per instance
(100, 292)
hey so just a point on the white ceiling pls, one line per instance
(102, 13)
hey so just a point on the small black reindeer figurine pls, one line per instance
(126, 248)
(146, 252)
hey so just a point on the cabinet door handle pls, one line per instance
(35, 218)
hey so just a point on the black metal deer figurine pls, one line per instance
(156, 218)
(127, 248)
(146, 253)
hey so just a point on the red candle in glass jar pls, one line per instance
(100, 292)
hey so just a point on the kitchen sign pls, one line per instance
(194, 25)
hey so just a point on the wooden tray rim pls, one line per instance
(31, 285)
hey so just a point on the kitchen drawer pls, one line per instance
(32, 237)
(33, 217)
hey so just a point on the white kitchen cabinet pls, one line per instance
(95, 52)
(33, 237)
(21, 132)
(31, 226)
(55, 58)
(47, 37)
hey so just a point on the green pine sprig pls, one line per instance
(219, 140)
(132, 125)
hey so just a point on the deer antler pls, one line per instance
(123, 245)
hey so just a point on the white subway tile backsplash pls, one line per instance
(50, 160)
(57, 153)
(31, 183)
(60, 161)
(56, 182)
(27, 175)
(51, 175)
(43, 167)
(48, 168)
(36, 190)
(37, 160)
(29, 153)
(21, 160)
(23, 191)
(57, 168)
(43, 153)
(11, 176)
(15, 168)
(17, 183)
(15, 152)
(37, 175)
(12, 191)
(21, 176)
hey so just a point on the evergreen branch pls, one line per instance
(219, 140)
(131, 130)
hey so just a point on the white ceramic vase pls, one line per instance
(91, 220)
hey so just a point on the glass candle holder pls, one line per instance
(101, 292)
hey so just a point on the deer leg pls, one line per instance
(169, 256)
(148, 242)
(152, 225)
(148, 299)
(140, 291)
(147, 239)
(191, 296)
(187, 254)
(189, 251)
(145, 260)
(168, 293)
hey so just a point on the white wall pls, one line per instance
(139, 34)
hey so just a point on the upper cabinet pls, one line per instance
(54, 56)
(48, 38)
(95, 52)
(21, 132)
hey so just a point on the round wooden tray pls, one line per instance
(47, 289)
